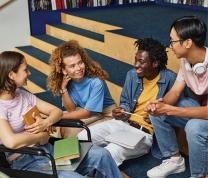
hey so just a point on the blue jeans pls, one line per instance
(98, 163)
(196, 134)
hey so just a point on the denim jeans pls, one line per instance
(196, 134)
(98, 163)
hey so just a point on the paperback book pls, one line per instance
(28, 117)
(65, 150)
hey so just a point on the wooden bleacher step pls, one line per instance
(87, 39)
(79, 31)
(87, 24)
(33, 88)
(38, 77)
(45, 42)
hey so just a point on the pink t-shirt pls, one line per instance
(13, 110)
(197, 83)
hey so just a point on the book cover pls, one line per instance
(28, 117)
(84, 148)
(66, 149)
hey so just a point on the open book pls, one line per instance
(126, 139)
(28, 117)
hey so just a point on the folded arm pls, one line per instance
(77, 114)
(52, 113)
(16, 140)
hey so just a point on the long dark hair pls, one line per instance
(9, 61)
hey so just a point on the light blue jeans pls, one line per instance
(98, 163)
(196, 134)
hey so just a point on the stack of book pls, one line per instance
(66, 150)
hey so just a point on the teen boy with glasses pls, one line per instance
(188, 35)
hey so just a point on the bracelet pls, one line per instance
(62, 91)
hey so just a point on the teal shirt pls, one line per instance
(91, 94)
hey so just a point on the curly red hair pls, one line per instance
(71, 48)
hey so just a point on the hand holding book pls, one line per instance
(34, 122)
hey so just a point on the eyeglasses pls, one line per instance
(174, 41)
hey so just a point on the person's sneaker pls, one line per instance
(167, 167)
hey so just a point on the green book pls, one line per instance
(66, 149)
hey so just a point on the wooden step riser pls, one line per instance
(42, 45)
(115, 91)
(120, 47)
(87, 24)
(86, 42)
(33, 88)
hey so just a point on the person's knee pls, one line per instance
(117, 153)
(99, 153)
(192, 129)
(155, 120)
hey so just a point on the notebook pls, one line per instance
(126, 139)
(66, 149)
(84, 148)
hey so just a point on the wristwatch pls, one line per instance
(62, 91)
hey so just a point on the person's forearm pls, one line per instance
(79, 114)
(19, 140)
(190, 112)
(54, 116)
(67, 101)
(171, 98)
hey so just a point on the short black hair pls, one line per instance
(155, 50)
(191, 27)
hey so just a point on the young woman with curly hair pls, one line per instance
(80, 82)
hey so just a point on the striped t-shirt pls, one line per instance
(13, 110)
